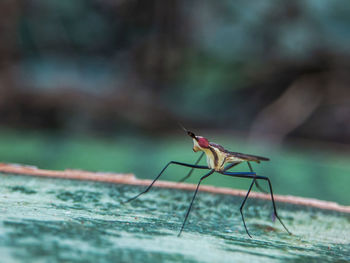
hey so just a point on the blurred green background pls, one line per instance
(102, 84)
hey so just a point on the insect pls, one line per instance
(219, 160)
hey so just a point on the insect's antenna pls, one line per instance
(182, 127)
(189, 133)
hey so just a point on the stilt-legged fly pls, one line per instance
(220, 160)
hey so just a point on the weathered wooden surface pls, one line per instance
(55, 220)
(132, 180)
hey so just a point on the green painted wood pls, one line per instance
(55, 220)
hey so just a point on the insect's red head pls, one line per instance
(202, 142)
(199, 142)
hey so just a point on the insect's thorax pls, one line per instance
(216, 158)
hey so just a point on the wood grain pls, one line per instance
(130, 179)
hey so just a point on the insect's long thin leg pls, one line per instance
(228, 167)
(246, 196)
(250, 188)
(194, 196)
(191, 171)
(256, 182)
(255, 177)
(260, 188)
(172, 162)
(242, 205)
(274, 205)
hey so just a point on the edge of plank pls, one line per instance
(130, 179)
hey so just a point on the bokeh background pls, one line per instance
(102, 84)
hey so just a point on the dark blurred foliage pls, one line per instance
(264, 68)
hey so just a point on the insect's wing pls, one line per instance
(241, 156)
(248, 157)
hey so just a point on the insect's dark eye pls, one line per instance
(191, 134)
